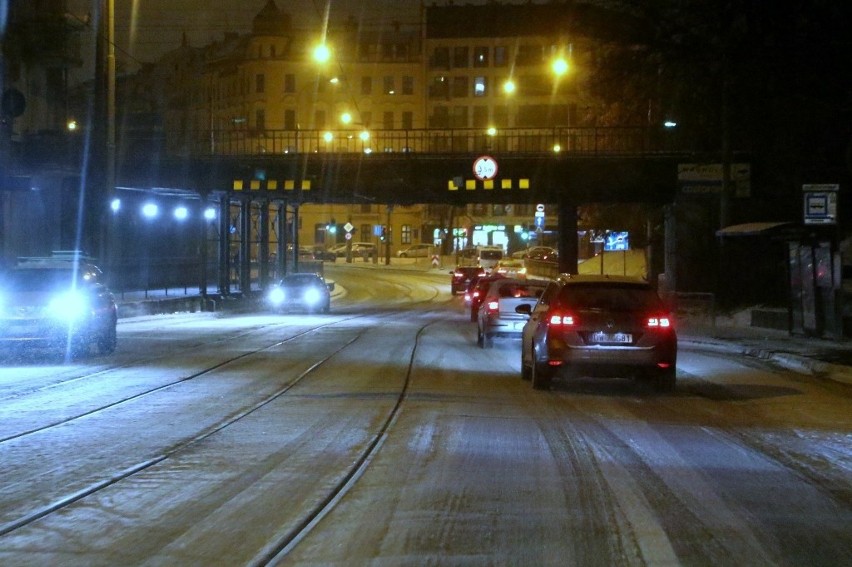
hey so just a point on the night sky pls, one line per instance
(146, 29)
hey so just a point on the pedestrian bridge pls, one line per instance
(574, 165)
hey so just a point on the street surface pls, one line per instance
(381, 434)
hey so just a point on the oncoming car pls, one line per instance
(599, 326)
(57, 302)
(301, 292)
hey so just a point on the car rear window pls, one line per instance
(611, 297)
(520, 290)
(490, 254)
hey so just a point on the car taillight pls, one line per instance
(661, 322)
(493, 306)
(557, 319)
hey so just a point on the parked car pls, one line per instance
(599, 326)
(359, 249)
(301, 292)
(416, 251)
(534, 253)
(462, 276)
(476, 293)
(497, 313)
(58, 302)
(511, 268)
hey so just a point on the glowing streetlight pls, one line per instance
(181, 213)
(557, 148)
(364, 135)
(559, 66)
(321, 53)
(210, 213)
(346, 118)
(492, 131)
(115, 205)
(509, 87)
(328, 136)
(72, 125)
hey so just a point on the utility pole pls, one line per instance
(104, 180)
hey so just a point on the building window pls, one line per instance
(387, 51)
(319, 119)
(480, 56)
(260, 119)
(389, 85)
(272, 50)
(440, 88)
(367, 119)
(480, 86)
(366, 229)
(408, 85)
(407, 120)
(440, 117)
(289, 119)
(500, 59)
(405, 234)
(260, 83)
(480, 117)
(387, 120)
(529, 55)
(458, 118)
(366, 85)
(289, 83)
(460, 57)
(460, 85)
(441, 58)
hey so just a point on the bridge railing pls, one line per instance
(581, 141)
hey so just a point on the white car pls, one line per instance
(416, 251)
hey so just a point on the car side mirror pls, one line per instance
(524, 309)
(330, 286)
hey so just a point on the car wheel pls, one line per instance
(108, 340)
(526, 372)
(78, 347)
(665, 380)
(403, 255)
(541, 374)
(487, 341)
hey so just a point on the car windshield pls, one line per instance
(491, 254)
(39, 280)
(609, 297)
(300, 280)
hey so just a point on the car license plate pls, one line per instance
(618, 338)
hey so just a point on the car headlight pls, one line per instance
(312, 296)
(69, 306)
(276, 296)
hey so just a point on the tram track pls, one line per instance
(60, 502)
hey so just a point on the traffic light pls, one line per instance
(331, 227)
(384, 235)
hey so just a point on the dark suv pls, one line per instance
(599, 326)
(462, 276)
(58, 301)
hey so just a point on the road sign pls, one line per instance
(820, 204)
(485, 167)
(348, 227)
(348, 236)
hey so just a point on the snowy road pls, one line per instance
(381, 434)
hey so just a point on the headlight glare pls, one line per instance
(276, 296)
(68, 306)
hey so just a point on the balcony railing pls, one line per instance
(596, 141)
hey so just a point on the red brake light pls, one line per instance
(493, 306)
(659, 322)
(562, 319)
